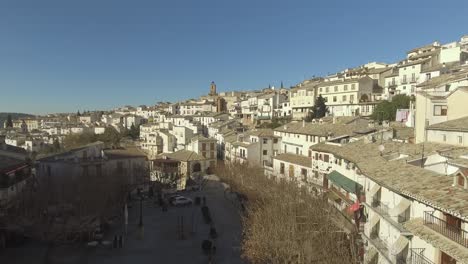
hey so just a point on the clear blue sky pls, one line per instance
(58, 56)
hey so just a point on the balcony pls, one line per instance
(450, 231)
(394, 216)
(416, 255)
(379, 244)
(403, 81)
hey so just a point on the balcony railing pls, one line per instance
(380, 207)
(454, 233)
(416, 256)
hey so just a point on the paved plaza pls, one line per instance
(162, 241)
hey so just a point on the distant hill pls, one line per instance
(4, 116)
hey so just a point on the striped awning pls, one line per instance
(400, 208)
(373, 191)
(374, 220)
(399, 245)
(344, 182)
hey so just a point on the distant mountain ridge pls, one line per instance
(4, 116)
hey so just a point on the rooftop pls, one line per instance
(295, 159)
(460, 124)
(183, 155)
(324, 129)
(124, 153)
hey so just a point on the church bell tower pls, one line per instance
(213, 89)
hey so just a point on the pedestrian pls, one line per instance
(213, 250)
(114, 245)
(120, 241)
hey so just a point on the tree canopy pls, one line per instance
(386, 110)
(110, 137)
(320, 108)
(9, 121)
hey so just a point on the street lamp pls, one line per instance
(140, 224)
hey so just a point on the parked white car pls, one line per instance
(180, 200)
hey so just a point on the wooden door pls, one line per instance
(446, 259)
(291, 171)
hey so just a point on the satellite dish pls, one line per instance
(381, 148)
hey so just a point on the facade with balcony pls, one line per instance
(343, 96)
(412, 215)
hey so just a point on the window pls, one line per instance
(212, 146)
(404, 78)
(447, 87)
(204, 154)
(460, 140)
(334, 99)
(265, 152)
(461, 180)
(281, 168)
(351, 98)
(325, 158)
(285, 149)
(353, 86)
(345, 87)
(327, 89)
(336, 88)
(203, 146)
(321, 90)
(428, 76)
(297, 151)
(440, 110)
(344, 98)
(444, 138)
(275, 140)
(310, 153)
(413, 77)
(265, 141)
(304, 175)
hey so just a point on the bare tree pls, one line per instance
(285, 224)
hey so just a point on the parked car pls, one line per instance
(171, 198)
(179, 201)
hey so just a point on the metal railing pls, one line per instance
(416, 256)
(380, 207)
(452, 232)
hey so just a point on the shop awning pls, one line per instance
(374, 220)
(344, 182)
(400, 245)
(373, 191)
(400, 208)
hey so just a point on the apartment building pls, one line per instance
(401, 220)
(343, 96)
(297, 137)
(440, 99)
(302, 98)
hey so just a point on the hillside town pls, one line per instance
(396, 172)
